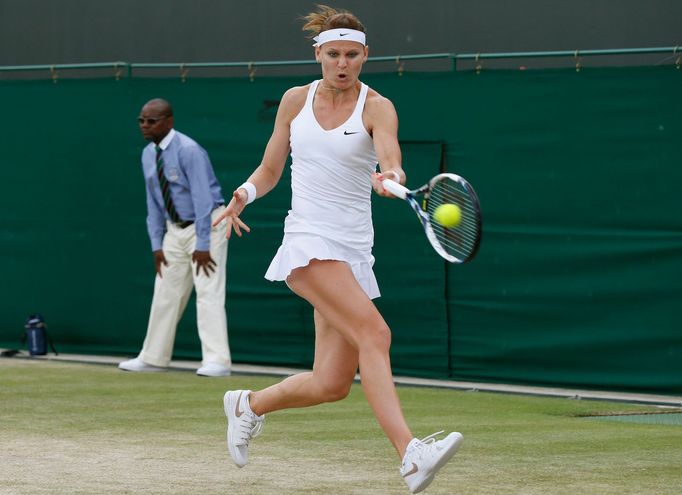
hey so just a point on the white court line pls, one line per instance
(250, 369)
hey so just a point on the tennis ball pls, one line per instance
(448, 215)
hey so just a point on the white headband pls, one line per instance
(339, 35)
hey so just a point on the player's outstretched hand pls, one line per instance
(232, 212)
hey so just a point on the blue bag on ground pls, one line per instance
(36, 335)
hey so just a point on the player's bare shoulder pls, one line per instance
(292, 102)
(375, 102)
(379, 110)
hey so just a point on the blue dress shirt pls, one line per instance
(193, 186)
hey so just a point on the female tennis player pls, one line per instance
(337, 130)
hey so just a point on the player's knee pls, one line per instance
(378, 336)
(333, 392)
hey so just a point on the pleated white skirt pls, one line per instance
(299, 249)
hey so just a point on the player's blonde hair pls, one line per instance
(325, 18)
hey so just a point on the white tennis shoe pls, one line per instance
(214, 369)
(423, 458)
(242, 425)
(138, 365)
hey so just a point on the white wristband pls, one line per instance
(250, 191)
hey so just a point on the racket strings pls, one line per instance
(460, 240)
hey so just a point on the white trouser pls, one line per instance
(173, 289)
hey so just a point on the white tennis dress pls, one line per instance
(331, 212)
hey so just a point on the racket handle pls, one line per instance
(394, 188)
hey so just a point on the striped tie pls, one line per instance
(165, 188)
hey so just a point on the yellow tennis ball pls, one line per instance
(448, 215)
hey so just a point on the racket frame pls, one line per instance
(410, 196)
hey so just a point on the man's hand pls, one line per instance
(203, 260)
(159, 259)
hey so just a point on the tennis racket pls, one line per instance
(457, 244)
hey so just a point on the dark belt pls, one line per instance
(187, 223)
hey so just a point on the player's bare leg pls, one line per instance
(334, 369)
(335, 293)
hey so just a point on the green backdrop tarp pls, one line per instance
(578, 281)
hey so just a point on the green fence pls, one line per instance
(578, 281)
